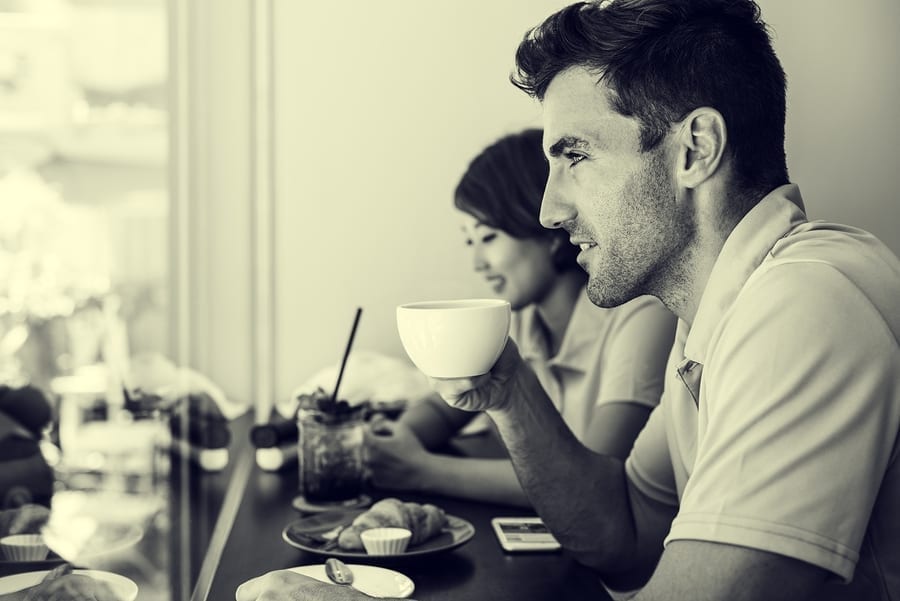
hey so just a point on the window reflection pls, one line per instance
(84, 268)
(83, 184)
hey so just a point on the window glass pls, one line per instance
(83, 184)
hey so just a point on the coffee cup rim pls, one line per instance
(456, 304)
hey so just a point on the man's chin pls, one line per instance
(607, 297)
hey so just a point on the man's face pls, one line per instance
(617, 203)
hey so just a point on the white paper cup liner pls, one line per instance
(385, 541)
(24, 547)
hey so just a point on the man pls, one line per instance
(770, 468)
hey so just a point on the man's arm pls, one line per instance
(704, 571)
(584, 497)
(596, 513)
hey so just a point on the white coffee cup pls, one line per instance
(454, 338)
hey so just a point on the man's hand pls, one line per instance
(397, 459)
(484, 392)
(285, 585)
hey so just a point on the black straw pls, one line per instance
(346, 353)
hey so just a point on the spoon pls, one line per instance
(337, 571)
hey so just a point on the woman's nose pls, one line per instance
(479, 263)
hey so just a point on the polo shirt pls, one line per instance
(606, 356)
(778, 426)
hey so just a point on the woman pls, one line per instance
(603, 368)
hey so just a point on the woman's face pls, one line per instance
(520, 271)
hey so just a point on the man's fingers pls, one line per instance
(452, 388)
(463, 393)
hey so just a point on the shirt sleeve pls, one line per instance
(796, 422)
(649, 465)
(633, 366)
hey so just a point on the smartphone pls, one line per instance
(523, 534)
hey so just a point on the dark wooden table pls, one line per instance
(479, 569)
(223, 528)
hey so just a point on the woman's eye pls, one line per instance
(488, 238)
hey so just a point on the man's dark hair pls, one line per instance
(503, 187)
(664, 58)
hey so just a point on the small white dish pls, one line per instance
(371, 580)
(24, 547)
(385, 541)
(123, 587)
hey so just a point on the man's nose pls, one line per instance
(555, 210)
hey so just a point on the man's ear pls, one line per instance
(701, 144)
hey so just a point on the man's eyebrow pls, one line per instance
(566, 143)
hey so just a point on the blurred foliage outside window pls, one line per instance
(83, 184)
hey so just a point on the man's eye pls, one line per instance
(574, 158)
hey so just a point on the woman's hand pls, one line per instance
(396, 458)
(486, 392)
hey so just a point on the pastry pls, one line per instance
(424, 521)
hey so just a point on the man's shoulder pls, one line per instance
(832, 264)
(843, 246)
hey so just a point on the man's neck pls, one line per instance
(688, 274)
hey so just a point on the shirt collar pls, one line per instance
(744, 250)
(571, 353)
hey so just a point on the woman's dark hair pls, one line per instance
(664, 58)
(503, 188)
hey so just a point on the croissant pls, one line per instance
(424, 521)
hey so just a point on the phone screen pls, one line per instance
(522, 531)
(524, 534)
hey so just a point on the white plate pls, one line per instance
(371, 580)
(125, 588)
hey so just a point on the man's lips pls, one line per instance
(583, 244)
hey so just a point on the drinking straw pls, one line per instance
(346, 353)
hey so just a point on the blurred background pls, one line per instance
(223, 182)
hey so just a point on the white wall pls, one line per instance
(842, 61)
(380, 105)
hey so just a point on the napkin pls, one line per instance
(155, 374)
(368, 376)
